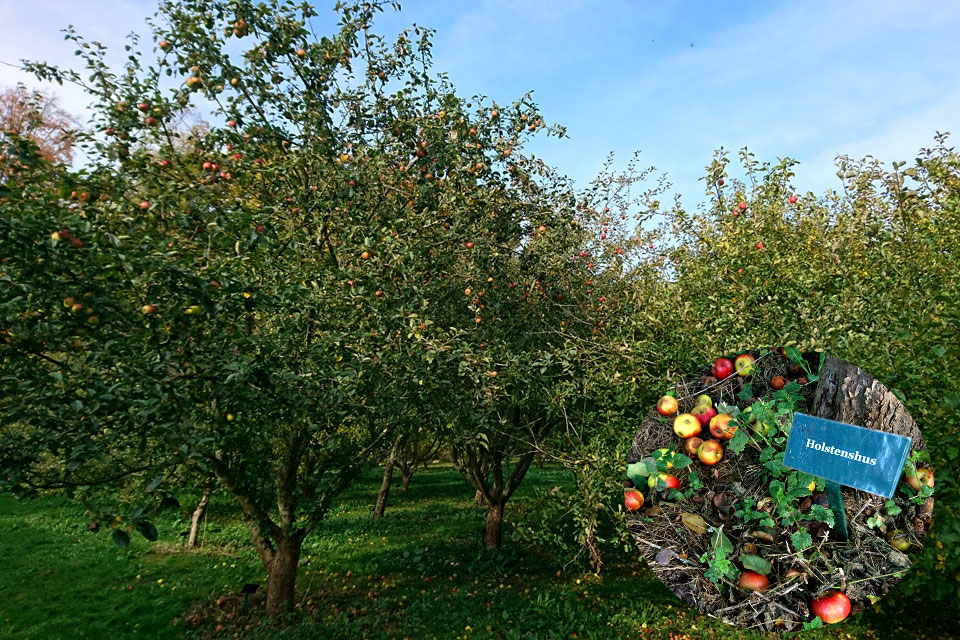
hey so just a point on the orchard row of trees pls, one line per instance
(351, 259)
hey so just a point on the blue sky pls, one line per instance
(674, 80)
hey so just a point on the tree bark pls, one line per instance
(387, 479)
(282, 576)
(405, 480)
(478, 498)
(846, 393)
(493, 534)
(198, 515)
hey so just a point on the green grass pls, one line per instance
(418, 573)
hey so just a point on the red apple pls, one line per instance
(720, 427)
(720, 182)
(743, 205)
(632, 499)
(686, 425)
(831, 607)
(671, 482)
(691, 445)
(667, 406)
(777, 382)
(143, 106)
(793, 199)
(710, 452)
(753, 581)
(920, 478)
(721, 368)
(144, 205)
(745, 364)
(759, 245)
(704, 414)
(148, 309)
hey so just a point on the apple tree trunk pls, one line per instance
(387, 479)
(849, 394)
(405, 480)
(282, 576)
(493, 534)
(198, 515)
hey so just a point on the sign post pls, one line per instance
(845, 454)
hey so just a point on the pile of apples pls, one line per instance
(832, 606)
(689, 426)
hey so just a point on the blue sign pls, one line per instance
(858, 457)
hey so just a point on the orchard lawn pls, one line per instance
(418, 573)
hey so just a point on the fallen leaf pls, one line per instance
(694, 522)
(664, 556)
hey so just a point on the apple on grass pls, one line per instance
(704, 401)
(704, 414)
(632, 499)
(710, 452)
(686, 425)
(777, 382)
(720, 427)
(831, 607)
(690, 446)
(753, 581)
(721, 368)
(667, 406)
(745, 364)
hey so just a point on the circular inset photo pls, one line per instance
(777, 489)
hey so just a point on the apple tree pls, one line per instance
(270, 303)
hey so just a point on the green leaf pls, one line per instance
(721, 541)
(795, 355)
(756, 563)
(680, 461)
(148, 531)
(639, 471)
(739, 441)
(120, 538)
(801, 540)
